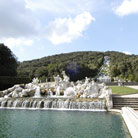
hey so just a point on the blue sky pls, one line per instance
(34, 29)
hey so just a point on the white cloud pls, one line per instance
(21, 25)
(127, 53)
(18, 25)
(19, 20)
(64, 30)
(62, 6)
(127, 7)
(17, 42)
(16, 20)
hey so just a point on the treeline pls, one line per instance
(8, 69)
(8, 62)
(78, 65)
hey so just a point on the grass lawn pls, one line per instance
(122, 90)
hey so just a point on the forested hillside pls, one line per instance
(124, 66)
(8, 69)
(80, 64)
(77, 65)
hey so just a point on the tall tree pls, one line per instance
(8, 62)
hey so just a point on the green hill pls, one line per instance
(80, 64)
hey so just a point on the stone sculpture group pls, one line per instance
(61, 88)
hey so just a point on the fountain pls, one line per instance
(60, 94)
(37, 92)
(104, 74)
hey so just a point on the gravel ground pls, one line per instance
(134, 87)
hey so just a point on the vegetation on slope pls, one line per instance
(124, 66)
(78, 65)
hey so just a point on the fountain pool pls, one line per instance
(61, 124)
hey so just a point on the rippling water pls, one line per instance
(61, 124)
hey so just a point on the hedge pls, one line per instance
(6, 81)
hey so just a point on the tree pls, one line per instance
(8, 62)
(41, 71)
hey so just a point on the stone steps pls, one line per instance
(119, 102)
(119, 107)
(126, 104)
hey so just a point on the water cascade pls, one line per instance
(37, 92)
(104, 74)
(51, 103)
(61, 94)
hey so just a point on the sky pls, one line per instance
(37, 28)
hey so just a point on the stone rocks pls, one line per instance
(24, 93)
(11, 89)
(15, 94)
(1, 94)
(69, 92)
(43, 91)
(19, 89)
(31, 92)
(6, 92)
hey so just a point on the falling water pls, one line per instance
(37, 92)
(45, 103)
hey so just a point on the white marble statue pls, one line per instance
(57, 80)
(65, 77)
(35, 81)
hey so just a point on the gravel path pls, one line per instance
(134, 87)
